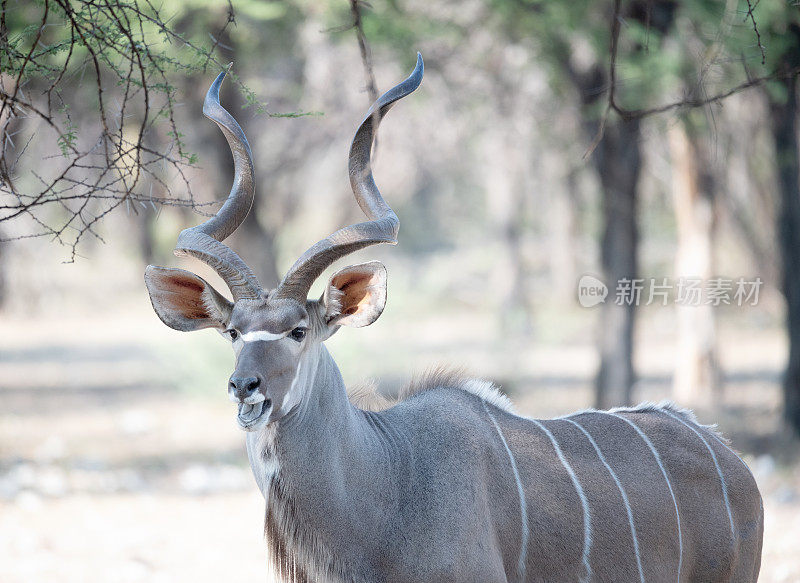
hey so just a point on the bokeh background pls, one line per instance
(513, 175)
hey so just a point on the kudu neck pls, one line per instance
(328, 477)
(324, 396)
(325, 431)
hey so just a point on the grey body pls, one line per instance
(425, 491)
(447, 485)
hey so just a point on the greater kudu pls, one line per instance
(449, 484)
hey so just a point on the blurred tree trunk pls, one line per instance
(259, 241)
(504, 202)
(617, 159)
(783, 124)
(146, 223)
(696, 372)
(504, 184)
(145, 220)
(563, 224)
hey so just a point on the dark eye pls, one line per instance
(232, 333)
(298, 334)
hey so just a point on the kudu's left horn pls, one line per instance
(205, 240)
(383, 224)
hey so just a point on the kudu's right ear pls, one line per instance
(356, 295)
(185, 301)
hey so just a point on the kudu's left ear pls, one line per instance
(185, 301)
(356, 295)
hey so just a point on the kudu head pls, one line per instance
(276, 333)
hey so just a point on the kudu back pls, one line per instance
(449, 484)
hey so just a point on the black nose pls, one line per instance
(244, 387)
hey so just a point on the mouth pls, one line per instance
(250, 415)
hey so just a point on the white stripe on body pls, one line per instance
(523, 506)
(587, 525)
(666, 477)
(621, 491)
(716, 464)
(722, 441)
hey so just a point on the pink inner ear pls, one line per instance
(355, 290)
(184, 283)
(185, 295)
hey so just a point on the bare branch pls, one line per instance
(688, 102)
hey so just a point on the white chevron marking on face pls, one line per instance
(263, 335)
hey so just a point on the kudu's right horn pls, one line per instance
(205, 240)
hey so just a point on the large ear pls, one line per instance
(185, 301)
(356, 295)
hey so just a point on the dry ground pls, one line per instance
(120, 460)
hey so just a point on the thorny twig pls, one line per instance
(110, 158)
(101, 148)
(231, 19)
(366, 60)
(358, 25)
(750, 8)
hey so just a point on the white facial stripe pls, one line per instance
(293, 396)
(262, 335)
